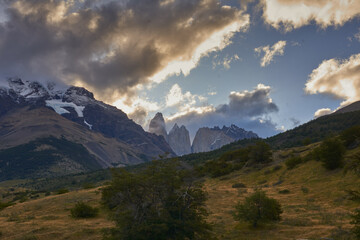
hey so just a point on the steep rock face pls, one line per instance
(238, 133)
(79, 105)
(208, 139)
(179, 140)
(157, 126)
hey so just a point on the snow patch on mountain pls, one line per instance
(58, 107)
(87, 124)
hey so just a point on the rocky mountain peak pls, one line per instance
(179, 140)
(207, 139)
(157, 125)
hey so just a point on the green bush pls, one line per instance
(62, 191)
(82, 210)
(285, 191)
(238, 185)
(304, 189)
(217, 168)
(260, 152)
(5, 205)
(331, 153)
(293, 161)
(258, 208)
(276, 168)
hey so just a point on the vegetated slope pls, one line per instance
(310, 132)
(45, 157)
(315, 130)
(313, 199)
(25, 125)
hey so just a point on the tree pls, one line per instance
(260, 152)
(351, 136)
(331, 153)
(258, 208)
(158, 202)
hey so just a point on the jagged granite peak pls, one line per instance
(238, 133)
(79, 105)
(179, 140)
(157, 126)
(208, 139)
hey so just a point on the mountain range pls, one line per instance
(31, 112)
(206, 139)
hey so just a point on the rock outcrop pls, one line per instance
(179, 140)
(208, 139)
(157, 126)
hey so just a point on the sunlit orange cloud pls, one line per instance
(339, 78)
(291, 14)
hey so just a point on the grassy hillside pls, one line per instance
(310, 132)
(313, 199)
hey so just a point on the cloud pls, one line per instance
(270, 52)
(322, 112)
(225, 62)
(248, 109)
(137, 108)
(292, 14)
(337, 78)
(176, 98)
(112, 47)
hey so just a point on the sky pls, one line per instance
(264, 65)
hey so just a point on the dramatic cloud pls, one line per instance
(112, 47)
(322, 112)
(176, 98)
(291, 14)
(247, 109)
(137, 108)
(270, 52)
(338, 78)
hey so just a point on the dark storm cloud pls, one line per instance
(247, 109)
(108, 46)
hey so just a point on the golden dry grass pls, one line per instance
(49, 218)
(315, 206)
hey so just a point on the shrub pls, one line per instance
(331, 153)
(5, 205)
(62, 191)
(304, 189)
(217, 168)
(276, 168)
(293, 161)
(284, 191)
(238, 185)
(82, 210)
(258, 208)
